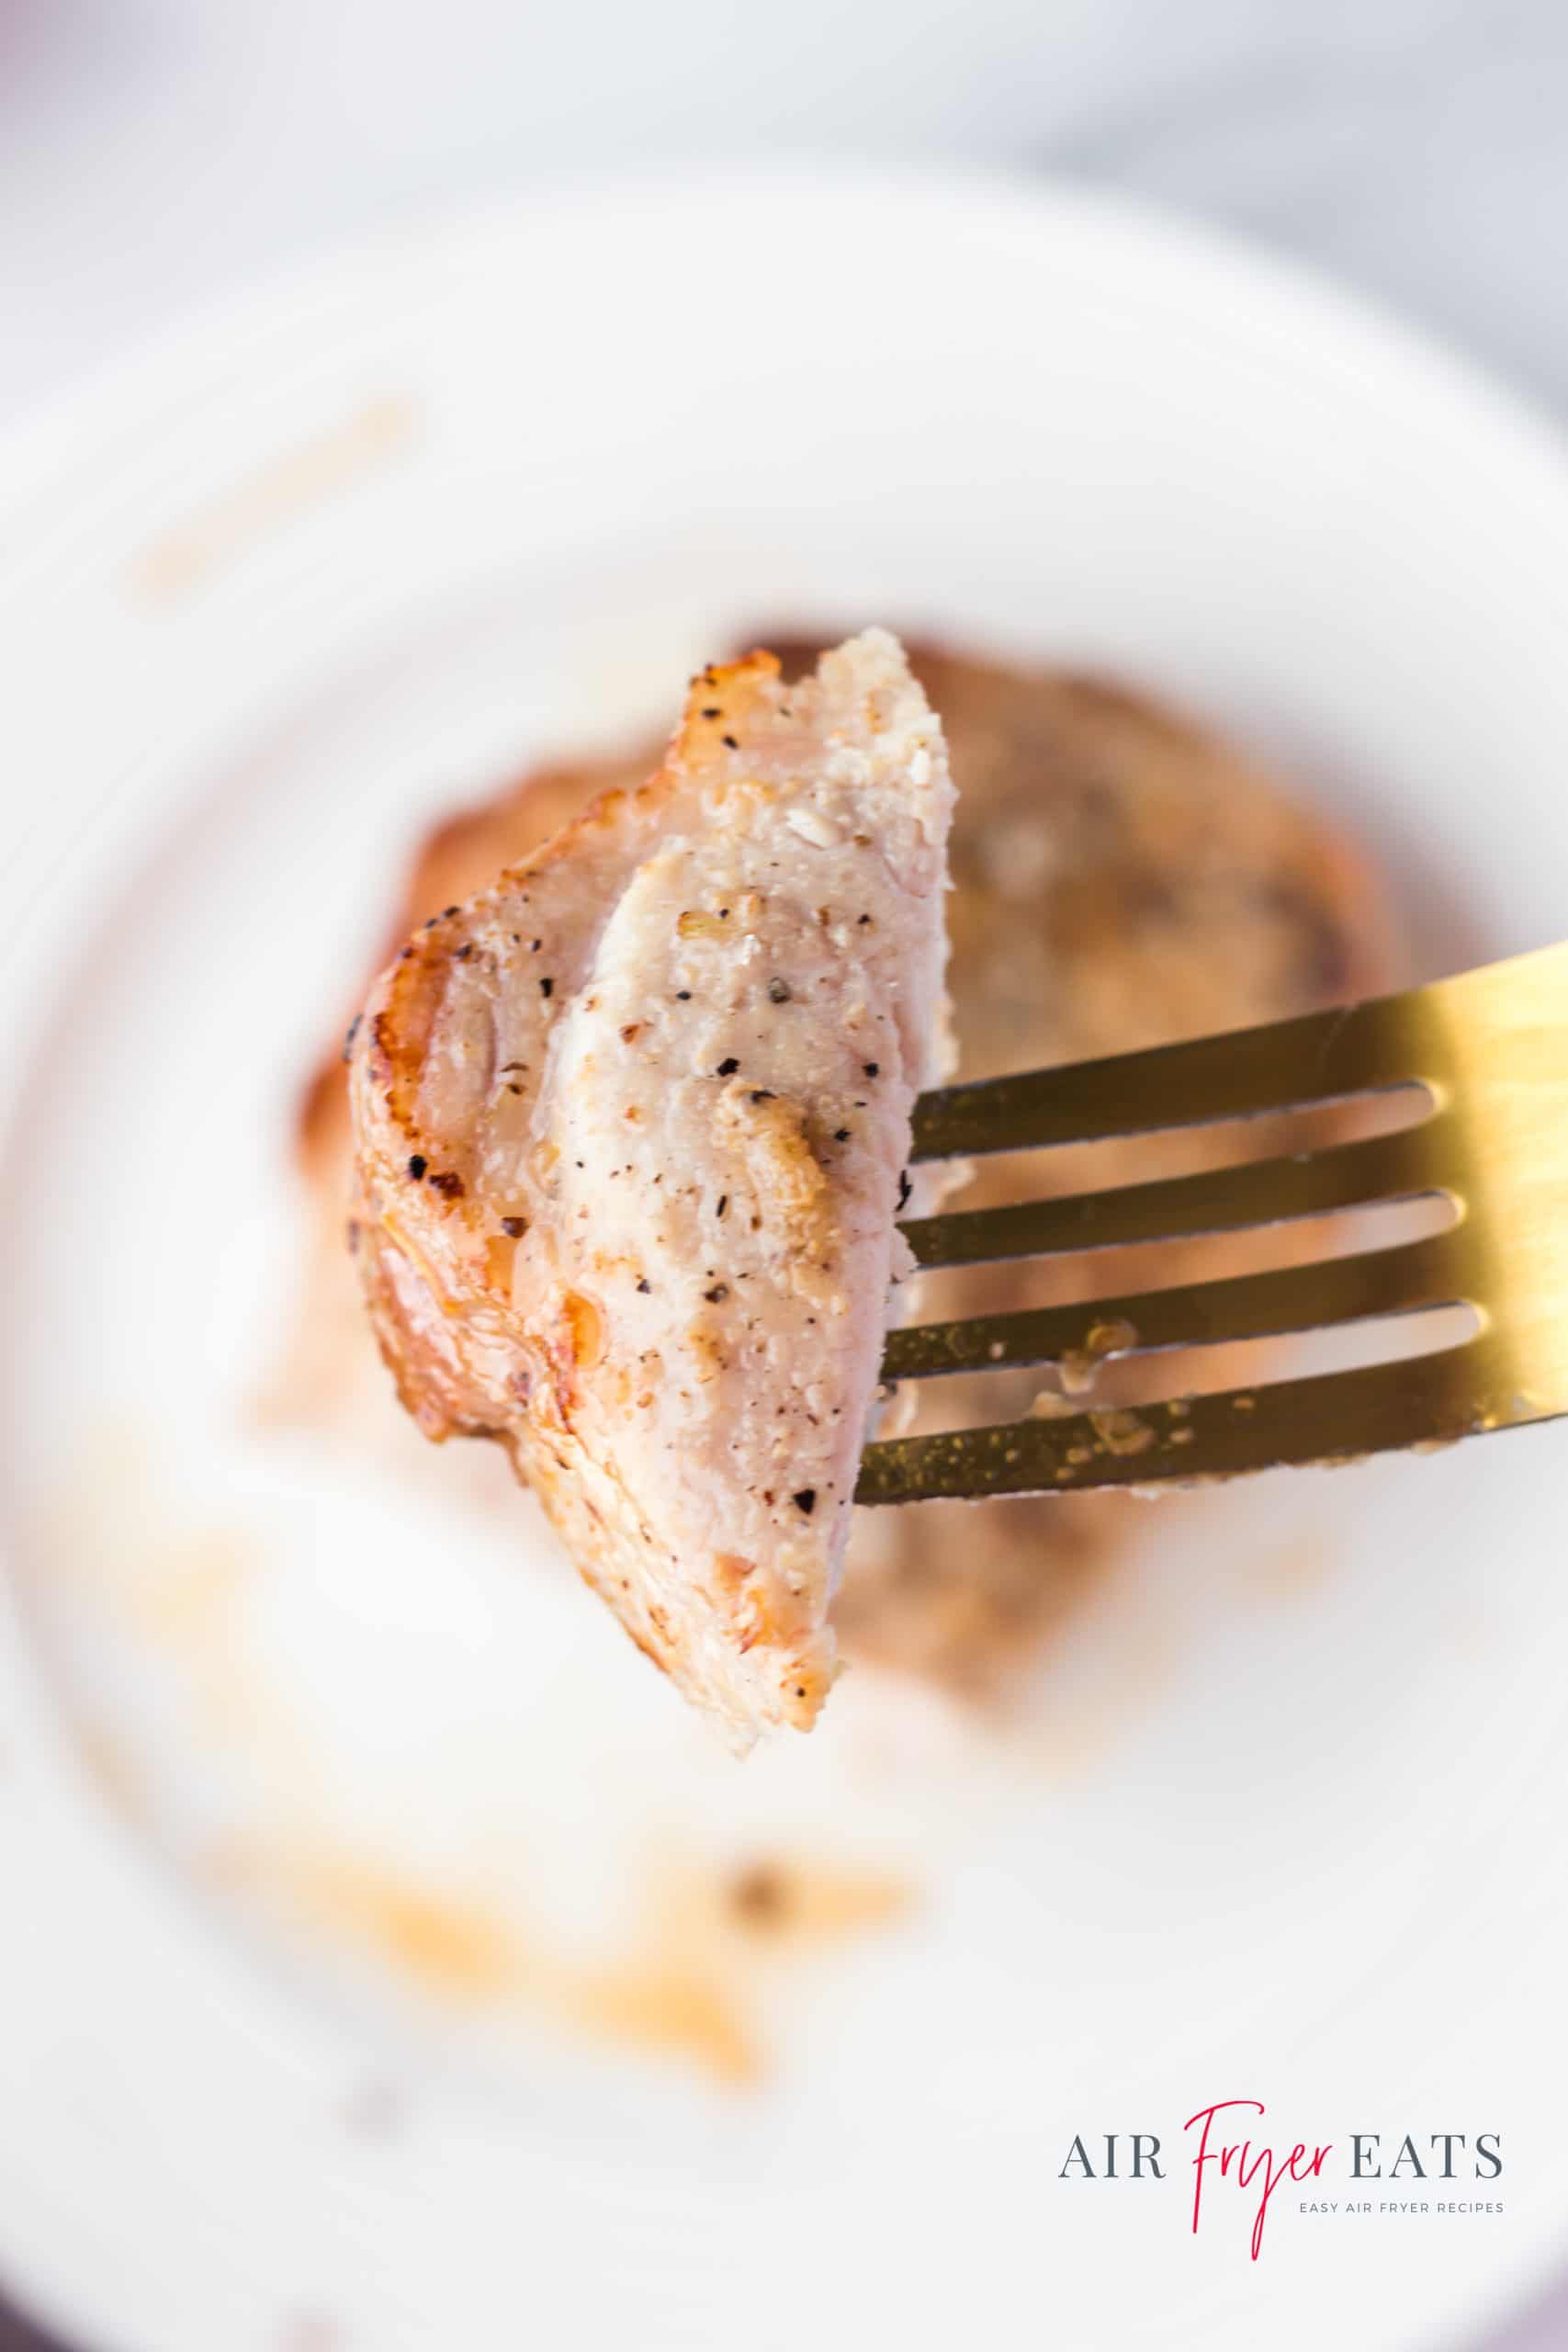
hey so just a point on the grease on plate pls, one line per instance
(683, 1984)
(174, 566)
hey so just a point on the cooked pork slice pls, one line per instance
(630, 1132)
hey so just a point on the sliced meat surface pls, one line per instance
(630, 1135)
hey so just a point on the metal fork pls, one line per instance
(1491, 1050)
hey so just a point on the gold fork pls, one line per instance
(1490, 1049)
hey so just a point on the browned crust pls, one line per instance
(389, 1047)
(419, 1224)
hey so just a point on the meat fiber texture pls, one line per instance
(631, 1129)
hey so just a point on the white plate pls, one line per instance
(1289, 1824)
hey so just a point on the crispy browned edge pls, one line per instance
(391, 1042)
(386, 1057)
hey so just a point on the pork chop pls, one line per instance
(630, 1137)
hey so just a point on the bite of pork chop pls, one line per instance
(630, 1135)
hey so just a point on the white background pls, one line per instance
(155, 151)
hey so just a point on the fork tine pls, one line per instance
(1321, 1057)
(1333, 1417)
(1402, 1166)
(1486, 1046)
(1434, 1271)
